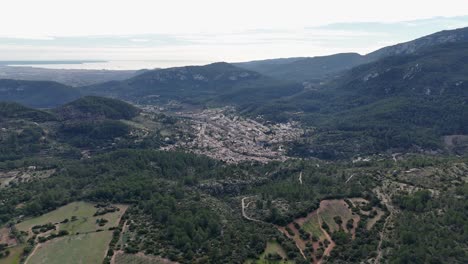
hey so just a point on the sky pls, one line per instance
(196, 32)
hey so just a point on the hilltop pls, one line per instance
(38, 94)
(94, 107)
(9, 110)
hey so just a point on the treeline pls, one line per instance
(167, 209)
(432, 229)
(91, 133)
(325, 181)
(16, 144)
(97, 108)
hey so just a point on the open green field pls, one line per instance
(123, 258)
(271, 247)
(331, 208)
(312, 226)
(83, 211)
(88, 246)
(79, 249)
(14, 257)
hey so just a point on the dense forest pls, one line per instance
(178, 212)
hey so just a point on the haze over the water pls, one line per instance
(159, 34)
(110, 65)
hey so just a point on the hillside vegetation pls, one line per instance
(395, 103)
(367, 166)
(39, 94)
(315, 69)
(305, 69)
(10, 110)
(217, 83)
(93, 107)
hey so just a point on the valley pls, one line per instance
(345, 158)
(222, 134)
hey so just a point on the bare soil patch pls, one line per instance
(318, 242)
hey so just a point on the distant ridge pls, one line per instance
(442, 37)
(313, 68)
(213, 83)
(307, 68)
(38, 94)
(39, 62)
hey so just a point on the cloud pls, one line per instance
(234, 45)
(29, 37)
(139, 40)
(413, 28)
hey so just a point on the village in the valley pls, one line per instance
(222, 134)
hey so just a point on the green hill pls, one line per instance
(93, 107)
(89, 123)
(17, 111)
(38, 94)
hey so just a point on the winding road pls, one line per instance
(244, 214)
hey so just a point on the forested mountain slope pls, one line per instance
(217, 83)
(177, 207)
(438, 38)
(39, 94)
(318, 68)
(305, 69)
(397, 102)
(94, 107)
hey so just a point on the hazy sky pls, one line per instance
(209, 30)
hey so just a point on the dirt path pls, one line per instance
(385, 200)
(350, 177)
(112, 261)
(37, 247)
(32, 253)
(244, 206)
(279, 228)
(328, 237)
(299, 244)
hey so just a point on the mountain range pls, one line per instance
(313, 68)
(337, 159)
(400, 96)
(213, 83)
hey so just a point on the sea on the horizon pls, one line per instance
(107, 65)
